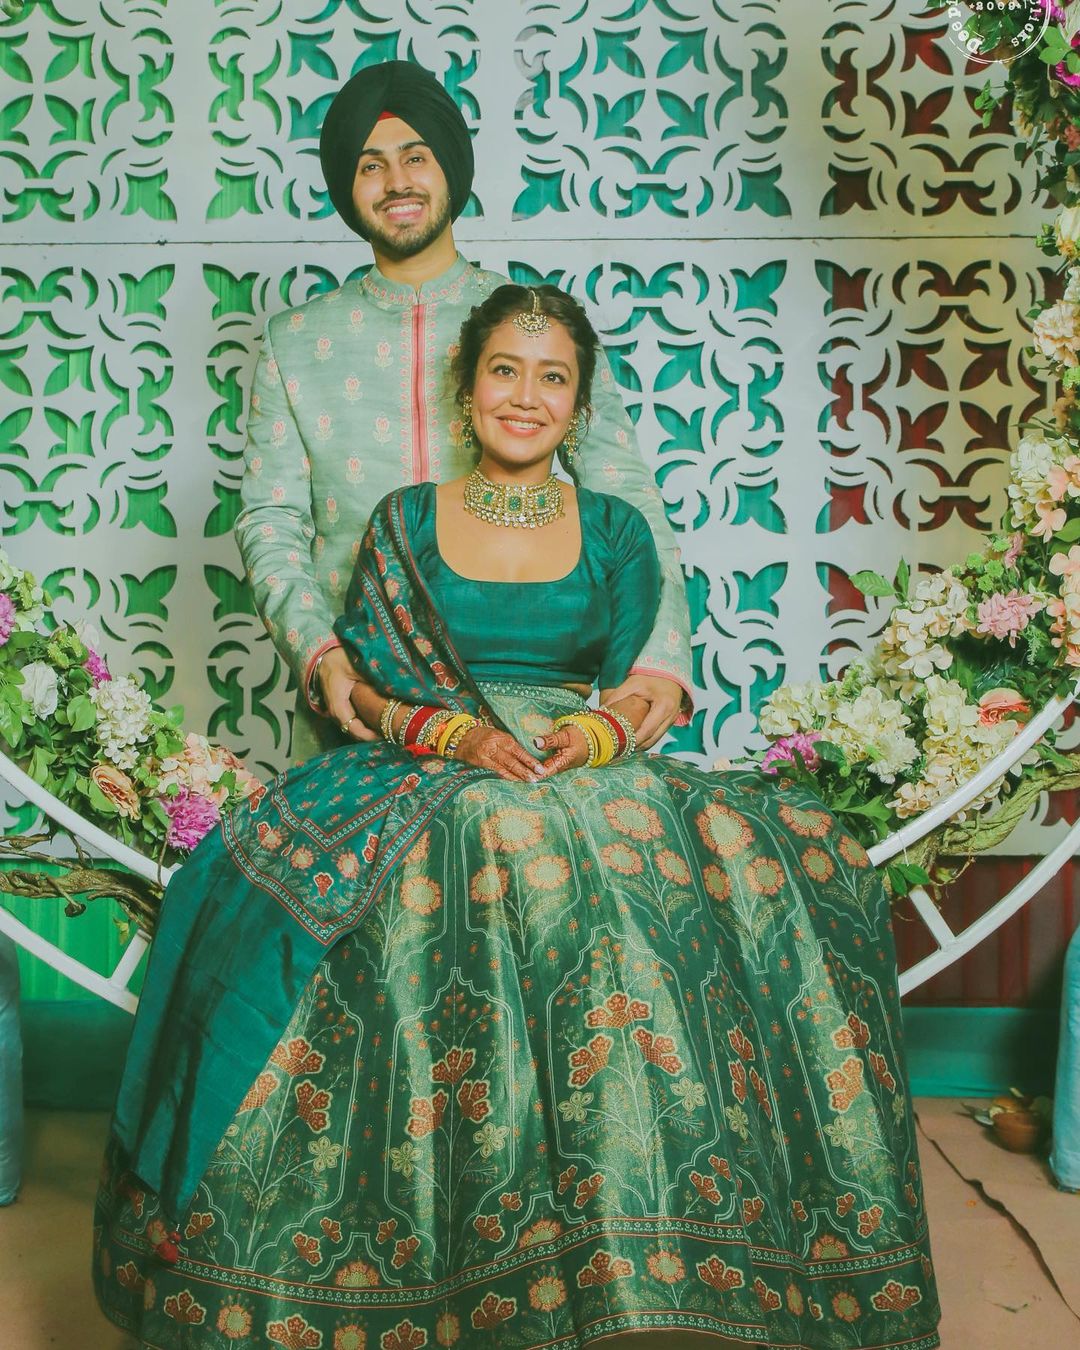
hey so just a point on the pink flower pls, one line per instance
(997, 704)
(1064, 564)
(200, 766)
(7, 617)
(1063, 476)
(785, 749)
(1071, 136)
(1016, 547)
(1006, 616)
(191, 817)
(1051, 519)
(1062, 71)
(95, 664)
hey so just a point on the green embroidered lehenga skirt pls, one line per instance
(619, 1051)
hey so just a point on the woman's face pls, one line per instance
(525, 396)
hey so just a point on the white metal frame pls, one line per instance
(950, 946)
(114, 987)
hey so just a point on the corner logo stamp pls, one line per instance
(989, 32)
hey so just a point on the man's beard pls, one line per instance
(410, 242)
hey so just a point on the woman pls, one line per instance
(494, 1031)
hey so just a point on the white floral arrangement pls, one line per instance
(966, 655)
(99, 743)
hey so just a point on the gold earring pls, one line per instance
(468, 436)
(571, 439)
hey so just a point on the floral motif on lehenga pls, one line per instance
(579, 1051)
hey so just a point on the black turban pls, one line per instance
(407, 91)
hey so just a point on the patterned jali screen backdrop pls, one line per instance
(809, 260)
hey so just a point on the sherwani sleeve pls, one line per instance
(275, 530)
(610, 461)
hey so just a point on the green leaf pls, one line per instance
(40, 760)
(1069, 532)
(1054, 757)
(159, 813)
(1055, 49)
(904, 877)
(10, 724)
(100, 802)
(902, 580)
(830, 753)
(82, 714)
(871, 583)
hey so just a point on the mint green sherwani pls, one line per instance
(351, 399)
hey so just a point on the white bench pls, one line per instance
(951, 946)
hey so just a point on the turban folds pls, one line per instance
(402, 89)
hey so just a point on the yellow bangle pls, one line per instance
(459, 721)
(607, 745)
(598, 737)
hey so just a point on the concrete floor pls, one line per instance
(995, 1290)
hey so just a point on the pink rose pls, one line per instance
(119, 789)
(998, 704)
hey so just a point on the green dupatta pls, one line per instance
(247, 920)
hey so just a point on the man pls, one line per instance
(350, 400)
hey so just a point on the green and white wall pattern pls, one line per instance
(809, 260)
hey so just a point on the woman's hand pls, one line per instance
(488, 748)
(569, 750)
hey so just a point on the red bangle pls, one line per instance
(416, 723)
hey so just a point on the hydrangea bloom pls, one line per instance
(910, 649)
(7, 618)
(958, 742)
(123, 711)
(873, 728)
(1006, 616)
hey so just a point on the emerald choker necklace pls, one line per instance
(527, 506)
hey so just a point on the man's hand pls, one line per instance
(337, 679)
(663, 696)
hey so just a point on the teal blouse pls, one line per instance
(586, 628)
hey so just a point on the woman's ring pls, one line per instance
(346, 725)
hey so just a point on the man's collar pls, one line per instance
(442, 287)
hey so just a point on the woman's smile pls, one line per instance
(521, 426)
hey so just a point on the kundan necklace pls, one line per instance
(529, 505)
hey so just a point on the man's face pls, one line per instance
(400, 192)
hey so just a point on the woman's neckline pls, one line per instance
(486, 581)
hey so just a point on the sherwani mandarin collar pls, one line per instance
(387, 293)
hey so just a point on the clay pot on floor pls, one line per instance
(1018, 1131)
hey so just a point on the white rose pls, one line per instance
(88, 635)
(40, 688)
(1067, 231)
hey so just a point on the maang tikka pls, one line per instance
(532, 322)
